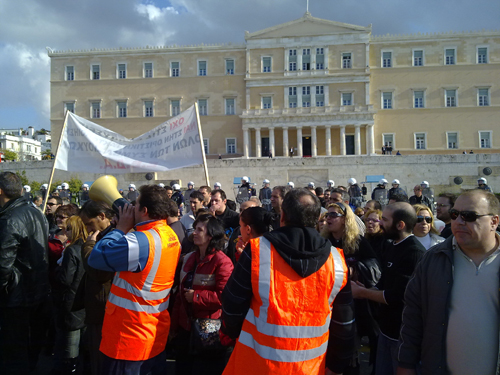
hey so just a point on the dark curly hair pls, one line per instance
(214, 230)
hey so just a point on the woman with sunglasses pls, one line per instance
(254, 222)
(69, 324)
(343, 232)
(424, 230)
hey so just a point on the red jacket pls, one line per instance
(209, 279)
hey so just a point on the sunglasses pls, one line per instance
(333, 215)
(468, 216)
(372, 221)
(61, 217)
(68, 229)
(51, 204)
(427, 219)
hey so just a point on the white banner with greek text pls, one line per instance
(88, 147)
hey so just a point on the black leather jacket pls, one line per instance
(24, 265)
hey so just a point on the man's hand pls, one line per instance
(189, 295)
(357, 289)
(93, 236)
(240, 245)
(126, 218)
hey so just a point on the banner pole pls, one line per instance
(54, 164)
(201, 142)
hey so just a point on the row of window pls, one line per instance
(420, 140)
(230, 145)
(450, 57)
(147, 70)
(295, 61)
(29, 148)
(450, 98)
(297, 97)
(149, 108)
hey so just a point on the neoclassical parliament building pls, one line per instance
(311, 87)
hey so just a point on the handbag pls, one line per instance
(205, 336)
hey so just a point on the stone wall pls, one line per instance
(439, 170)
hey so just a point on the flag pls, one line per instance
(88, 147)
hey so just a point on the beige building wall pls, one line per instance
(332, 129)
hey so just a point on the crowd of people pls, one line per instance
(281, 281)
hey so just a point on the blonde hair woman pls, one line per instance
(424, 230)
(343, 232)
(68, 322)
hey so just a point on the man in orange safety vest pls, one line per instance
(137, 322)
(289, 299)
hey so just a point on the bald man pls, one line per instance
(399, 261)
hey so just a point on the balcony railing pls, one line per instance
(308, 110)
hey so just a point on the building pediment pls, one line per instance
(307, 26)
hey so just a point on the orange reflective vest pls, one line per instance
(137, 322)
(286, 328)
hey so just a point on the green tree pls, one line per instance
(75, 185)
(35, 187)
(9, 155)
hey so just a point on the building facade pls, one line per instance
(309, 87)
(25, 143)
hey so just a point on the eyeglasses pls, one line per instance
(468, 216)
(427, 219)
(442, 205)
(333, 215)
(372, 221)
(61, 217)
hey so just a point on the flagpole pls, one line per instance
(55, 159)
(201, 142)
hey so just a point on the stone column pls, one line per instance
(299, 141)
(328, 140)
(314, 142)
(370, 141)
(342, 139)
(285, 142)
(246, 143)
(357, 140)
(258, 143)
(271, 142)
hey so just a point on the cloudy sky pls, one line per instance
(28, 26)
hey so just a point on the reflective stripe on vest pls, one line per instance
(285, 331)
(144, 293)
(281, 355)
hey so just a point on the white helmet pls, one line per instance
(176, 187)
(85, 186)
(245, 178)
(217, 184)
(395, 181)
(162, 185)
(27, 188)
(44, 186)
(132, 186)
(351, 181)
(65, 185)
(424, 184)
(331, 183)
(481, 180)
(383, 182)
(291, 184)
(58, 187)
(266, 181)
(191, 183)
(311, 184)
